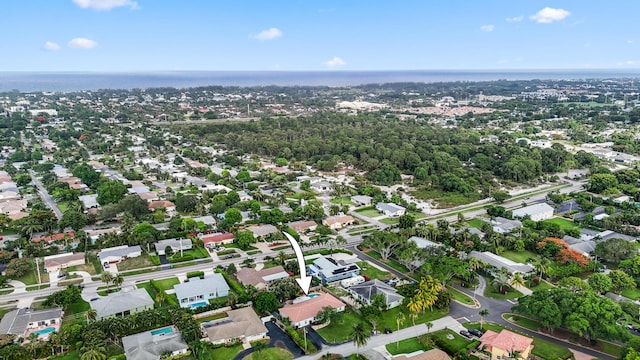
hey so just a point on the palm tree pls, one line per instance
(160, 297)
(399, 320)
(415, 307)
(360, 336)
(501, 281)
(475, 264)
(259, 346)
(106, 277)
(483, 313)
(97, 353)
(541, 264)
(517, 280)
(118, 280)
(91, 315)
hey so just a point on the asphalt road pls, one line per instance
(44, 195)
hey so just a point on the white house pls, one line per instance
(197, 292)
(154, 344)
(116, 254)
(536, 212)
(390, 209)
(175, 245)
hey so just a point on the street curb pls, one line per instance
(541, 333)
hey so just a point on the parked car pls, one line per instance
(466, 334)
(475, 332)
(94, 299)
(62, 274)
(106, 265)
(387, 331)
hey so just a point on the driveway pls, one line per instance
(278, 338)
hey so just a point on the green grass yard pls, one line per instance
(166, 284)
(563, 223)
(346, 200)
(405, 346)
(274, 353)
(389, 317)
(373, 272)
(460, 296)
(135, 263)
(519, 256)
(445, 199)
(223, 353)
(490, 292)
(476, 223)
(340, 329)
(370, 212)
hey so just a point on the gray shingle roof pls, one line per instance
(211, 284)
(500, 262)
(124, 300)
(16, 321)
(144, 346)
(369, 289)
(120, 252)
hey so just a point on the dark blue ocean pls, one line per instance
(72, 81)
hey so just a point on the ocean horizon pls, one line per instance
(80, 81)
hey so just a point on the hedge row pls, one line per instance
(295, 336)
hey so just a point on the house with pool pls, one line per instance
(303, 311)
(196, 292)
(154, 344)
(241, 324)
(328, 269)
(23, 322)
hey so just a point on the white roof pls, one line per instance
(532, 210)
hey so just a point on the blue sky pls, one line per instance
(152, 35)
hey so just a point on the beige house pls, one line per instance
(338, 222)
(240, 324)
(58, 262)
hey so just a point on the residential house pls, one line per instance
(367, 291)
(304, 313)
(89, 201)
(149, 196)
(262, 231)
(390, 209)
(24, 321)
(470, 230)
(241, 324)
(122, 303)
(208, 220)
(321, 186)
(361, 200)
(303, 225)
(328, 270)
(9, 195)
(54, 263)
(504, 226)
(505, 344)
(217, 239)
(196, 292)
(338, 221)
(536, 212)
(114, 255)
(175, 245)
(261, 278)
(423, 243)
(154, 344)
(167, 205)
(56, 237)
(500, 262)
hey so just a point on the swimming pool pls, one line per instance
(45, 331)
(167, 330)
(313, 295)
(197, 305)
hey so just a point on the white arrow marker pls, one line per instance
(304, 281)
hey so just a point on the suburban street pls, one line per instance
(44, 195)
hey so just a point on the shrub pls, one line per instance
(295, 336)
(193, 274)
(176, 258)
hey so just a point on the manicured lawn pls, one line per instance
(390, 221)
(342, 201)
(340, 329)
(135, 263)
(391, 262)
(519, 256)
(150, 290)
(235, 246)
(373, 272)
(273, 353)
(460, 296)
(31, 277)
(369, 212)
(563, 223)
(405, 346)
(166, 284)
(476, 223)
(633, 294)
(73, 355)
(223, 353)
(389, 317)
(454, 345)
(490, 292)
(63, 205)
(541, 348)
(78, 307)
(542, 285)
(524, 322)
(444, 199)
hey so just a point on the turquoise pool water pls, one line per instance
(313, 295)
(197, 305)
(167, 330)
(45, 331)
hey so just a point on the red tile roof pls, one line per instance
(55, 237)
(216, 238)
(505, 340)
(310, 308)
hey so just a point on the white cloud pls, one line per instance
(269, 34)
(629, 41)
(514, 19)
(104, 5)
(82, 43)
(628, 62)
(487, 28)
(51, 46)
(335, 61)
(549, 15)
